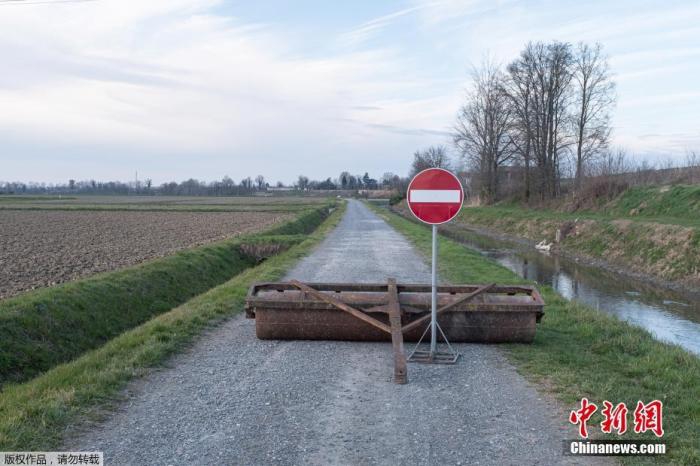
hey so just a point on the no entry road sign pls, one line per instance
(435, 196)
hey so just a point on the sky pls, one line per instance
(174, 89)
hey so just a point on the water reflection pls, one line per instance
(669, 316)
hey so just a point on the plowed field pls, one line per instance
(42, 248)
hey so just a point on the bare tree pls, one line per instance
(302, 182)
(593, 97)
(520, 89)
(260, 181)
(692, 161)
(432, 157)
(390, 180)
(482, 131)
(344, 180)
(227, 185)
(612, 163)
(549, 68)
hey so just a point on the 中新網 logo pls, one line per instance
(646, 417)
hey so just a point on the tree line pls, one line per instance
(549, 107)
(192, 187)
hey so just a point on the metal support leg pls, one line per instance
(433, 356)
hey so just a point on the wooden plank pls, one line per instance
(342, 306)
(447, 307)
(400, 370)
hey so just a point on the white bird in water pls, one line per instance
(543, 245)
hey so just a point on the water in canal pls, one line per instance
(669, 316)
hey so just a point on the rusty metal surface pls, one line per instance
(498, 314)
(381, 312)
(451, 305)
(339, 304)
(286, 295)
(400, 370)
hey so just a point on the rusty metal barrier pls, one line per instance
(389, 311)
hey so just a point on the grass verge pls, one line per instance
(34, 415)
(668, 252)
(43, 328)
(679, 201)
(579, 352)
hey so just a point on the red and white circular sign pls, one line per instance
(435, 196)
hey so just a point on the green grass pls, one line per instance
(16, 198)
(674, 205)
(664, 247)
(579, 352)
(34, 415)
(518, 213)
(679, 201)
(49, 326)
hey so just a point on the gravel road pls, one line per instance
(233, 399)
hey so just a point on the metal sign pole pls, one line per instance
(433, 298)
(435, 196)
(433, 356)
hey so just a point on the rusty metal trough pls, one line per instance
(390, 311)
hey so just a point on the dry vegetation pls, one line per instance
(41, 247)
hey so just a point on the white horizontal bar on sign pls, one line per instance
(435, 195)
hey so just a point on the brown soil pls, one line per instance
(42, 248)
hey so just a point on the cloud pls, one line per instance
(665, 99)
(366, 107)
(193, 87)
(438, 12)
(175, 78)
(652, 51)
(367, 29)
(408, 131)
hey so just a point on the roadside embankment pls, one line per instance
(34, 415)
(647, 233)
(580, 352)
(43, 328)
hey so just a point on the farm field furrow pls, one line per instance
(161, 203)
(42, 248)
(155, 207)
(80, 200)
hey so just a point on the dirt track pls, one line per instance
(233, 399)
